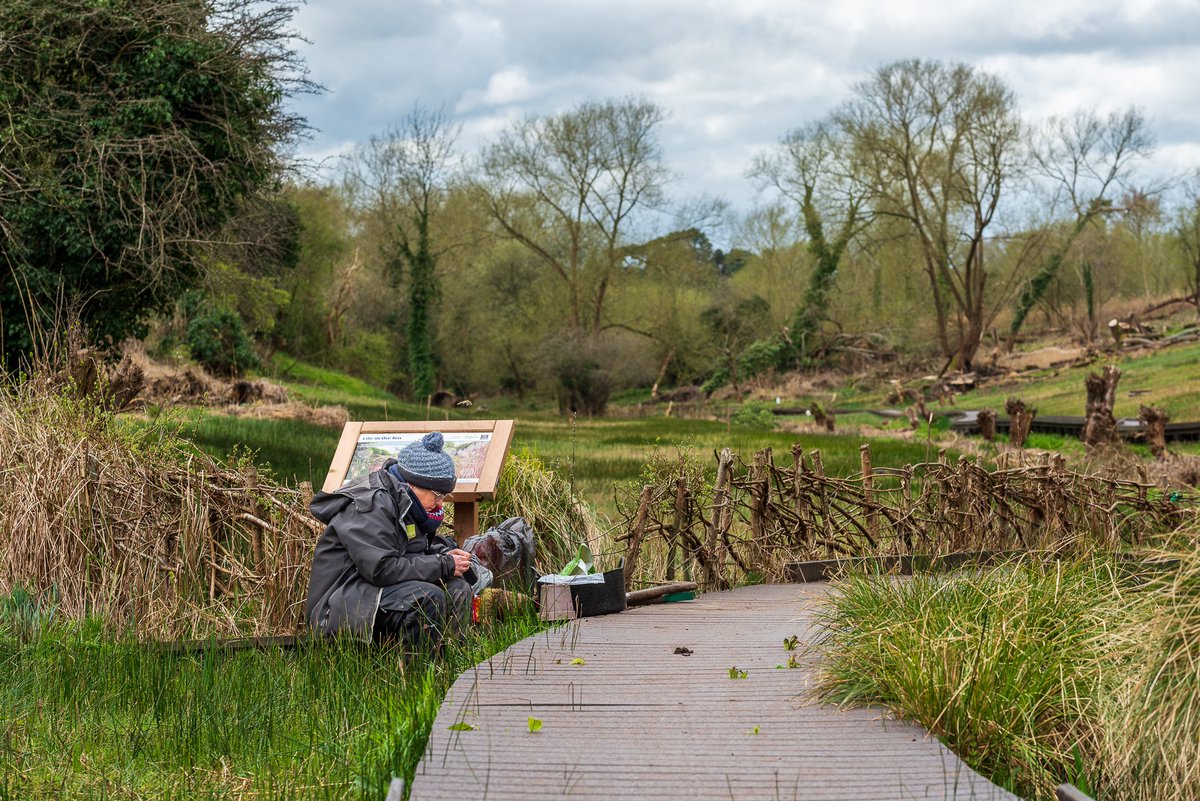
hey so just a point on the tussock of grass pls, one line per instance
(1154, 741)
(1010, 667)
(560, 520)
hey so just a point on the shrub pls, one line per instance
(583, 386)
(369, 356)
(754, 414)
(762, 355)
(217, 339)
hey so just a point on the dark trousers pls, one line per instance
(419, 612)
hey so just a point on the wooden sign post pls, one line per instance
(478, 448)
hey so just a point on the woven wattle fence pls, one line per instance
(757, 517)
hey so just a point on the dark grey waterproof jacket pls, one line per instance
(364, 548)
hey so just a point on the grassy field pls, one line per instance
(91, 717)
(1169, 379)
(596, 456)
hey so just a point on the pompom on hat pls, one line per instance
(425, 464)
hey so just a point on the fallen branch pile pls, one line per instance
(758, 517)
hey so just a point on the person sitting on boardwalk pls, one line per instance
(380, 571)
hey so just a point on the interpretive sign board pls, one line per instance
(478, 448)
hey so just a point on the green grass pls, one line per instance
(318, 386)
(599, 455)
(595, 456)
(1169, 379)
(1011, 667)
(292, 450)
(90, 717)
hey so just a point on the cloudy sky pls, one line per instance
(735, 74)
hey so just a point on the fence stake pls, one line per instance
(822, 497)
(676, 524)
(868, 486)
(712, 567)
(635, 540)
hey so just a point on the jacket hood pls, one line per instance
(364, 494)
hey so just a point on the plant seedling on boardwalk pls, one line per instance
(790, 643)
(461, 726)
(578, 661)
(734, 673)
(535, 725)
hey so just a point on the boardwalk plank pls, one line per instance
(638, 721)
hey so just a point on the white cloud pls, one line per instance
(735, 76)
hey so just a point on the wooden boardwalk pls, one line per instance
(636, 720)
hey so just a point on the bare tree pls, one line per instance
(404, 177)
(810, 167)
(1187, 236)
(938, 145)
(568, 186)
(1084, 157)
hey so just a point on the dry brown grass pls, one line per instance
(128, 523)
(1154, 739)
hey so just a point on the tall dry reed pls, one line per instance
(100, 516)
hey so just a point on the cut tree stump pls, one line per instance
(1100, 427)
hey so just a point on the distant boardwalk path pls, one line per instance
(637, 721)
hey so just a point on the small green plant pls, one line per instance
(790, 643)
(24, 614)
(535, 725)
(736, 673)
(754, 414)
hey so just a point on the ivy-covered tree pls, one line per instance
(404, 177)
(131, 132)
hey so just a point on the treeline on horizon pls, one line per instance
(923, 217)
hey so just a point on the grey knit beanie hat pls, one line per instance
(425, 464)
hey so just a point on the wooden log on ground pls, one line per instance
(652, 594)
